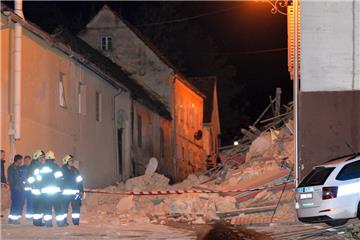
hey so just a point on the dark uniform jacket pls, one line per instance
(15, 177)
(72, 178)
(50, 176)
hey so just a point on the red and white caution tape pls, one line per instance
(168, 192)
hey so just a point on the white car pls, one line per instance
(330, 193)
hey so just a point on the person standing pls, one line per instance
(25, 175)
(16, 190)
(72, 189)
(3, 178)
(51, 177)
(34, 182)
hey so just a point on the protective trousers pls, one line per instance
(37, 204)
(17, 203)
(51, 201)
(29, 205)
(75, 201)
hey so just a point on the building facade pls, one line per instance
(126, 46)
(211, 118)
(329, 98)
(72, 102)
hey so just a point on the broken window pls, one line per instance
(139, 130)
(98, 106)
(82, 98)
(106, 43)
(62, 83)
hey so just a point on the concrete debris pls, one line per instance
(151, 167)
(266, 159)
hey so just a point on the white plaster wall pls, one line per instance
(47, 125)
(330, 45)
(129, 52)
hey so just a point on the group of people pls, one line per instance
(44, 186)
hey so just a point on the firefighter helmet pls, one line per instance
(37, 154)
(66, 158)
(50, 155)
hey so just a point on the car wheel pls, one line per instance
(336, 223)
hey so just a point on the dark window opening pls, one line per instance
(349, 171)
(316, 177)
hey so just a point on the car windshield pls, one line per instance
(316, 177)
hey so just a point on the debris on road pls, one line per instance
(264, 157)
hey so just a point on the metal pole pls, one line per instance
(296, 93)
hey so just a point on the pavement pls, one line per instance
(91, 231)
(300, 231)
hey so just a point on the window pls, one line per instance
(349, 171)
(162, 141)
(189, 157)
(139, 130)
(98, 105)
(183, 153)
(316, 177)
(181, 109)
(62, 84)
(106, 43)
(82, 98)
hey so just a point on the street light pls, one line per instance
(277, 6)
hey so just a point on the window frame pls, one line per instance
(104, 42)
(62, 90)
(98, 106)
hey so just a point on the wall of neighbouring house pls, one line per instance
(129, 52)
(329, 82)
(47, 125)
(147, 141)
(190, 154)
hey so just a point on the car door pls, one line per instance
(349, 185)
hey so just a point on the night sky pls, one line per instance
(238, 30)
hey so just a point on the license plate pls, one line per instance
(306, 196)
(305, 189)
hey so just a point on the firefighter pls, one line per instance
(33, 184)
(72, 189)
(50, 177)
(25, 174)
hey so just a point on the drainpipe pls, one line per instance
(296, 93)
(15, 117)
(17, 71)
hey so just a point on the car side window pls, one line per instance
(349, 171)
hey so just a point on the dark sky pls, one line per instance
(248, 26)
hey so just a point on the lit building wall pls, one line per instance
(329, 99)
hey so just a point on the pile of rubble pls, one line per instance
(269, 162)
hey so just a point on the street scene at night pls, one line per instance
(180, 120)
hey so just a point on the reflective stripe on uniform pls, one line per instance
(14, 217)
(75, 215)
(47, 217)
(29, 216)
(58, 174)
(79, 179)
(38, 178)
(70, 191)
(51, 189)
(27, 188)
(37, 216)
(60, 217)
(35, 191)
(37, 172)
(31, 180)
(46, 170)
